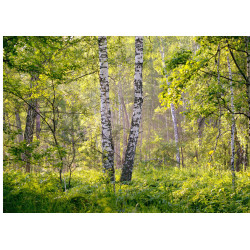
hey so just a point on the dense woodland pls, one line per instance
(126, 124)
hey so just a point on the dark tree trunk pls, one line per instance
(38, 122)
(246, 157)
(239, 153)
(29, 128)
(248, 79)
(233, 127)
(19, 125)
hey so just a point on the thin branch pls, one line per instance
(91, 73)
(237, 65)
(212, 74)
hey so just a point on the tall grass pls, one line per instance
(152, 190)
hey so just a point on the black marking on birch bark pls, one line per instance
(107, 143)
(137, 112)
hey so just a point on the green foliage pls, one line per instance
(180, 57)
(160, 190)
(67, 92)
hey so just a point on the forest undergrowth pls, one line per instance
(152, 190)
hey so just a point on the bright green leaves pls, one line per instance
(180, 57)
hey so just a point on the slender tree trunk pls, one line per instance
(233, 123)
(176, 136)
(245, 75)
(248, 92)
(125, 110)
(116, 137)
(141, 132)
(118, 141)
(29, 128)
(19, 125)
(20, 131)
(70, 166)
(107, 143)
(137, 112)
(125, 124)
(246, 157)
(200, 128)
(248, 80)
(166, 117)
(182, 158)
(38, 122)
(124, 136)
(239, 153)
(174, 118)
(220, 114)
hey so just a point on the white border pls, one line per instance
(124, 231)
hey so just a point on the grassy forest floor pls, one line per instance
(152, 190)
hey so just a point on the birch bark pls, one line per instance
(107, 143)
(137, 112)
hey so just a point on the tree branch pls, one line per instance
(237, 65)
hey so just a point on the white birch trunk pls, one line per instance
(233, 123)
(176, 136)
(107, 143)
(137, 112)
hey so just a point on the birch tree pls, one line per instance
(137, 112)
(174, 118)
(107, 143)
